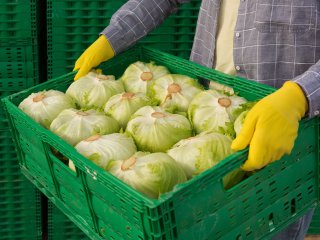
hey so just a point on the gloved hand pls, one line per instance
(271, 126)
(95, 54)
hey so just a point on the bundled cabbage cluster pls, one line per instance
(150, 128)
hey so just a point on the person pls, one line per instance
(276, 43)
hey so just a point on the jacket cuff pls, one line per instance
(310, 84)
(115, 39)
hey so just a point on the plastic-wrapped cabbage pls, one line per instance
(151, 174)
(211, 110)
(123, 105)
(174, 92)
(139, 76)
(101, 149)
(74, 126)
(199, 153)
(155, 130)
(94, 90)
(45, 106)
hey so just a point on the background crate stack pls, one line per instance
(72, 25)
(18, 47)
(20, 209)
(60, 227)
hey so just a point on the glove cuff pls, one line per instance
(296, 96)
(106, 48)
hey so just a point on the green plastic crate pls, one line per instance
(20, 208)
(60, 227)
(18, 60)
(18, 19)
(11, 85)
(20, 216)
(72, 25)
(7, 151)
(16, 52)
(20, 220)
(19, 64)
(106, 208)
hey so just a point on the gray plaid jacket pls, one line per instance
(275, 40)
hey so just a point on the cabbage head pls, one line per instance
(139, 76)
(239, 122)
(45, 106)
(199, 153)
(101, 149)
(74, 126)
(151, 174)
(221, 88)
(155, 130)
(174, 92)
(123, 105)
(94, 90)
(211, 110)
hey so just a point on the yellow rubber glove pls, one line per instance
(95, 54)
(271, 126)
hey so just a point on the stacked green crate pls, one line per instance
(18, 47)
(60, 227)
(19, 68)
(20, 214)
(72, 25)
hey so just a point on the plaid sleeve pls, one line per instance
(135, 19)
(309, 81)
